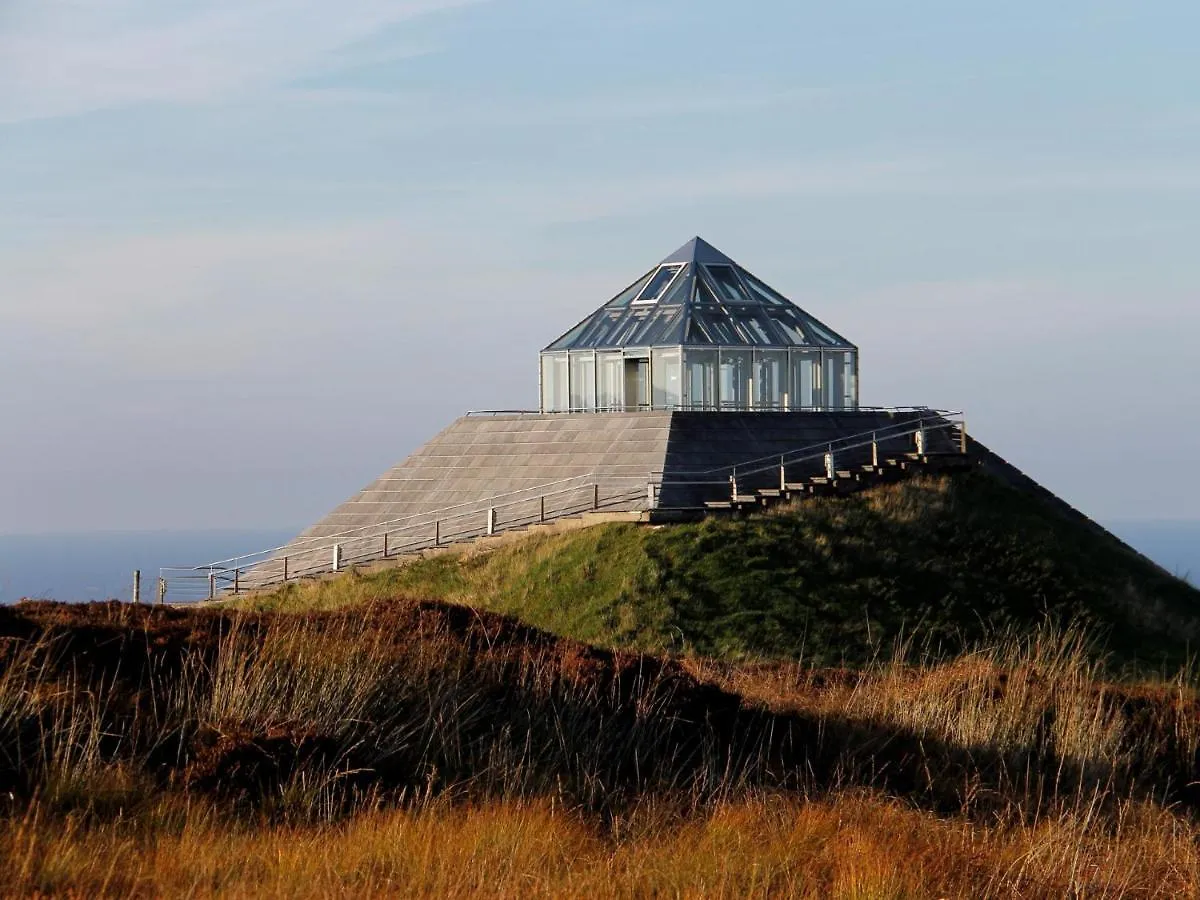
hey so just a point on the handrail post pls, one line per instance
(595, 495)
(650, 498)
(137, 585)
(237, 581)
(285, 568)
(385, 545)
(733, 485)
(874, 451)
(782, 473)
(437, 533)
(212, 585)
(830, 470)
(920, 436)
(162, 591)
(491, 520)
(337, 557)
(962, 436)
(542, 508)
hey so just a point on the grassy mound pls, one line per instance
(835, 581)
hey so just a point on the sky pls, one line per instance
(252, 254)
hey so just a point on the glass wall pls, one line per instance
(554, 382)
(770, 378)
(840, 379)
(666, 374)
(583, 380)
(700, 379)
(805, 388)
(736, 375)
(696, 378)
(610, 379)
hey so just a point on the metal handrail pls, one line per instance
(314, 545)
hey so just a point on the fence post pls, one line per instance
(733, 485)
(212, 585)
(830, 469)
(595, 496)
(782, 475)
(962, 437)
(437, 533)
(162, 590)
(137, 585)
(337, 557)
(920, 436)
(237, 580)
(542, 508)
(491, 520)
(285, 567)
(385, 545)
(874, 452)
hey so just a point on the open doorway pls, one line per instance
(637, 383)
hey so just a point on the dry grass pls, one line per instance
(851, 846)
(430, 750)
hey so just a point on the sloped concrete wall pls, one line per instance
(505, 461)
(524, 465)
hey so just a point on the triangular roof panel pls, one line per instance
(698, 295)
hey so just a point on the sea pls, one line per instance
(100, 566)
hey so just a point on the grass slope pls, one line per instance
(834, 580)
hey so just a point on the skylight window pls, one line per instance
(728, 286)
(657, 286)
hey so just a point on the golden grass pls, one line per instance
(850, 846)
(429, 751)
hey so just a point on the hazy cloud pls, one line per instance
(60, 57)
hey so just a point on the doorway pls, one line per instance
(637, 383)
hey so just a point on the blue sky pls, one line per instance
(252, 254)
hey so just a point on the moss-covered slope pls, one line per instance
(836, 580)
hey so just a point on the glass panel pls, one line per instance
(583, 380)
(727, 285)
(704, 294)
(655, 287)
(851, 381)
(571, 338)
(717, 325)
(621, 335)
(681, 289)
(696, 333)
(770, 378)
(752, 327)
(610, 374)
(736, 374)
(823, 334)
(661, 327)
(760, 291)
(664, 365)
(790, 325)
(834, 387)
(805, 382)
(623, 298)
(700, 378)
(554, 382)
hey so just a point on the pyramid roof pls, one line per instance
(698, 296)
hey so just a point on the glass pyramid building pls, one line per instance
(698, 331)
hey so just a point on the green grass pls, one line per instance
(837, 580)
